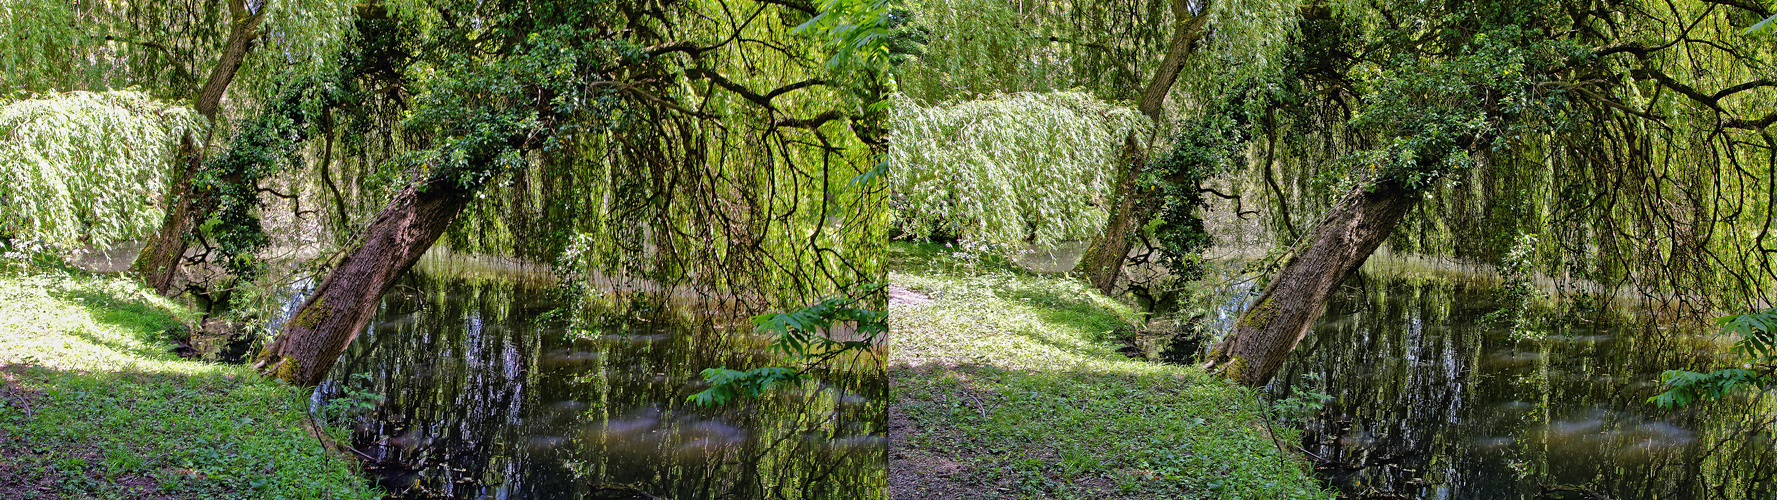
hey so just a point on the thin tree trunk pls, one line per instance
(158, 263)
(1130, 208)
(1297, 296)
(343, 305)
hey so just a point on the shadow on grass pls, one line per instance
(147, 323)
(1067, 307)
(134, 422)
(1072, 318)
(133, 434)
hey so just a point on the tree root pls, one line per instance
(331, 445)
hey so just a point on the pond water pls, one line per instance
(488, 395)
(1429, 400)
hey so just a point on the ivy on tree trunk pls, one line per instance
(159, 261)
(1130, 208)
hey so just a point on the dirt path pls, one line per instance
(915, 473)
(901, 296)
(918, 474)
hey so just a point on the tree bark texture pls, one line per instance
(344, 304)
(158, 263)
(1297, 296)
(1102, 262)
(1130, 207)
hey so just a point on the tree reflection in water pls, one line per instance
(485, 401)
(1430, 401)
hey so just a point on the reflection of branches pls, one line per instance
(632, 488)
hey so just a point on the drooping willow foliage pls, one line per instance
(352, 173)
(1648, 171)
(1108, 48)
(1630, 140)
(86, 167)
(164, 48)
(1008, 170)
(750, 176)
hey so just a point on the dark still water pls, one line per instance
(1431, 401)
(488, 397)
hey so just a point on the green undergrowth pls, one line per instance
(95, 407)
(1011, 387)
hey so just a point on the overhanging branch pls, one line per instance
(811, 122)
(763, 100)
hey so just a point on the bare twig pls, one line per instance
(979, 406)
(328, 443)
(22, 401)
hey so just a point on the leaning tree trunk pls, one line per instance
(1130, 207)
(1103, 260)
(158, 263)
(335, 312)
(1338, 245)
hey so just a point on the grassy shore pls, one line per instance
(1008, 385)
(95, 407)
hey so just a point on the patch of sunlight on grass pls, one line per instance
(1016, 321)
(95, 407)
(87, 323)
(1016, 375)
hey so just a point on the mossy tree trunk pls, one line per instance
(1102, 263)
(1130, 208)
(1298, 294)
(158, 263)
(343, 305)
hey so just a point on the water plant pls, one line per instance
(808, 341)
(1757, 347)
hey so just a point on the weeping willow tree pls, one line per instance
(1631, 138)
(709, 147)
(1620, 147)
(188, 52)
(1006, 171)
(1169, 59)
(86, 167)
(1109, 48)
(184, 51)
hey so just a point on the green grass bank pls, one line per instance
(1008, 385)
(95, 407)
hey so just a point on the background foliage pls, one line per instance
(1007, 170)
(86, 167)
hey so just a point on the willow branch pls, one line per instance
(811, 122)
